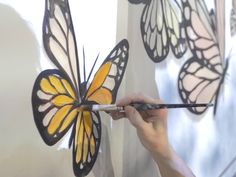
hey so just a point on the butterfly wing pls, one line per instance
(102, 90)
(162, 29)
(86, 142)
(53, 101)
(154, 31)
(139, 1)
(233, 22)
(200, 77)
(175, 26)
(198, 83)
(55, 111)
(104, 87)
(59, 39)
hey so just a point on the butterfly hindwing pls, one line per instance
(154, 31)
(87, 136)
(162, 28)
(195, 83)
(104, 86)
(233, 22)
(53, 101)
(175, 27)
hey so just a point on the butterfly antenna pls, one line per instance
(216, 102)
(230, 54)
(84, 64)
(92, 68)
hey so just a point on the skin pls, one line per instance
(151, 129)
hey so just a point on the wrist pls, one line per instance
(170, 164)
(162, 151)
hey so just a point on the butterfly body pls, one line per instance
(59, 94)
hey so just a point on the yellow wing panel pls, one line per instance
(47, 87)
(57, 84)
(58, 117)
(99, 78)
(85, 145)
(101, 96)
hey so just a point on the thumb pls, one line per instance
(135, 118)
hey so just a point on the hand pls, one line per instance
(151, 125)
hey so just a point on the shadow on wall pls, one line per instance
(23, 153)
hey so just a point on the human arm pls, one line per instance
(151, 129)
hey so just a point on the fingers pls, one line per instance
(132, 114)
(151, 125)
(140, 118)
(135, 118)
(117, 115)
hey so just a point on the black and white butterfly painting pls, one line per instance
(202, 75)
(162, 28)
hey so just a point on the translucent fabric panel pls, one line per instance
(206, 142)
(139, 78)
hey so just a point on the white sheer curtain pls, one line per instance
(205, 142)
(139, 77)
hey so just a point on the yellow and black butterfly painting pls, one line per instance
(162, 28)
(202, 75)
(59, 94)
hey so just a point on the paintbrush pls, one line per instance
(141, 106)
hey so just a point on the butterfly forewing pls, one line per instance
(104, 86)
(59, 38)
(53, 100)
